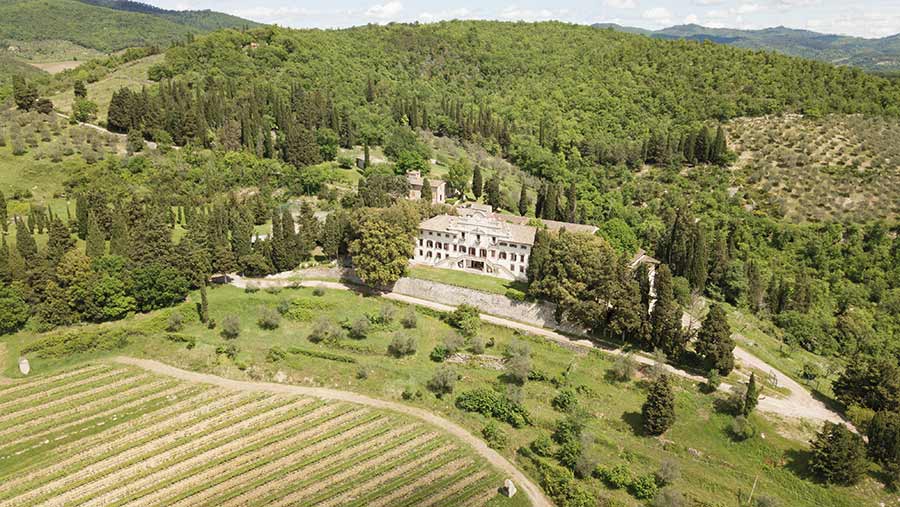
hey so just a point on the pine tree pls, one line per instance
(884, 439)
(477, 182)
(426, 195)
(523, 199)
(95, 244)
(666, 316)
(80, 90)
(838, 455)
(714, 343)
(659, 410)
(751, 396)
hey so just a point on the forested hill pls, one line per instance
(568, 85)
(880, 55)
(205, 20)
(104, 26)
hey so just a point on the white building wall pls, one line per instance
(502, 258)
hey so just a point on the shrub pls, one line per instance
(476, 345)
(518, 361)
(402, 345)
(668, 472)
(741, 429)
(515, 295)
(362, 372)
(324, 331)
(268, 319)
(318, 292)
(668, 497)
(494, 435)
(454, 343)
(189, 341)
(211, 324)
(251, 288)
(230, 350)
(275, 354)
(766, 501)
(465, 319)
(409, 393)
(490, 403)
(304, 309)
(713, 380)
(359, 329)
(616, 477)
(542, 446)
(231, 327)
(284, 306)
(439, 354)
(409, 319)
(386, 314)
(175, 322)
(861, 417)
(565, 401)
(321, 354)
(273, 290)
(623, 368)
(643, 487)
(442, 382)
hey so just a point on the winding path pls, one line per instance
(530, 489)
(799, 404)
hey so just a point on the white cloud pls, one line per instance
(708, 2)
(747, 8)
(691, 19)
(514, 13)
(621, 4)
(658, 15)
(461, 13)
(384, 11)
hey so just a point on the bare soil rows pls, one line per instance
(282, 457)
(455, 488)
(59, 431)
(389, 451)
(63, 403)
(22, 385)
(443, 471)
(380, 480)
(78, 411)
(113, 473)
(210, 476)
(10, 407)
(118, 459)
(275, 424)
(120, 439)
(275, 483)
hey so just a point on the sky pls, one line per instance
(863, 18)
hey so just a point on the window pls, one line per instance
(502, 255)
(429, 243)
(420, 241)
(483, 252)
(421, 253)
(478, 237)
(521, 269)
(438, 255)
(428, 255)
(471, 251)
(512, 257)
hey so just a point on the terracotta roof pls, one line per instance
(415, 179)
(552, 225)
(641, 257)
(488, 226)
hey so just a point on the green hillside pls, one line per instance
(205, 20)
(882, 55)
(9, 67)
(99, 27)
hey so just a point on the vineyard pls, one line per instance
(114, 435)
(830, 168)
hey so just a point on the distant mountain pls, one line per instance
(880, 55)
(104, 25)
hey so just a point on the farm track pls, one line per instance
(120, 436)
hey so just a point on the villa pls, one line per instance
(416, 181)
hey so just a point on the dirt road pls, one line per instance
(530, 489)
(799, 404)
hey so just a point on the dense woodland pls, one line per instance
(610, 129)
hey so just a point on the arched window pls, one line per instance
(438, 255)
(429, 243)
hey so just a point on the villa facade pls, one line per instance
(475, 241)
(416, 181)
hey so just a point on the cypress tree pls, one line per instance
(477, 182)
(492, 193)
(5, 271)
(25, 243)
(751, 397)
(118, 237)
(95, 245)
(366, 159)
(307, 231)
(242, 233)
(59, 242)
(335, 234)
(659, 410)
(714, 343)
(540, 253)
(666, 316)
(719, 147)
(204, 304)
(4, 217)
(539, 203)
(426, 191)
(698, 259)
(523, 199)
(81, 216)
(551, 204)
(80, 90)
(571, 202)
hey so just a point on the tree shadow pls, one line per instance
(797, 461)
(635, 421)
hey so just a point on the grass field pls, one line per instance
(831, 168)
(131, 75)
(483, 283)
(699, 443)
(112, 435)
